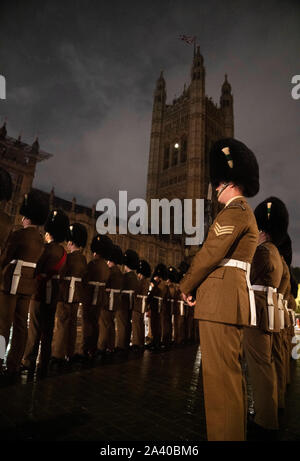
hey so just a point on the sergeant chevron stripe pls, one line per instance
(221, 230)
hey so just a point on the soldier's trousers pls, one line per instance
(155, 327)
(223, 381)
(138, 329)
(166, 327)
(179, 329)
(261, 368)
(189, 325)
(41, 328)
(90, 328)
(14, 311)
(123, 328)
(66, 330)
(280, 367)
(107, 335)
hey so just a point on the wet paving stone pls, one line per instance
(141, 397)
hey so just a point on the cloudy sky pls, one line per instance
(81, 73)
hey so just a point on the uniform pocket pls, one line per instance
(217, 273)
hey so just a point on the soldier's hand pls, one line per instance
(191, 301)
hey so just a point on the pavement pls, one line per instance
(140, 397)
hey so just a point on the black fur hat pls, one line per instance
(57, 225)
(116, 255)
(182, 269)
(144, 268)
(101, 245)
(285, 249)
(35, 207)
(232, 161)
(172, 274)
(272, 217)
(78, 234)
(5, 185)
(131, 259)
(160, 271)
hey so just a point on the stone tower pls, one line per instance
(182, 134)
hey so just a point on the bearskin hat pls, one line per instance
(160, 271)
(78, 234)
(182, 269)
(101, 245)
(285, 249)
(232, 161)
(144, 268)
(5, 185)
(131, 259)
(116, 255)
(35, 207)
(272, 217)
(172, 274)
(57, 225)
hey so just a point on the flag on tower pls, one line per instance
(188, 39)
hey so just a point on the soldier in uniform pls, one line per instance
(180, 310)
(107, 336)
(129, 289)
(266, 274)
(157, 297)
(225, 301)
(5, 195)
(168, 309)
(96, 296)
(44, 301)
(23, 250)
(71, 294)
(140, 305)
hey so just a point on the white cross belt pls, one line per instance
(172, 305)
(245, 267)
(112, 292)
(143, 297)
(159, 302)
(72, 280)
(49, 287)
(130, 293)
(181, 304)
(96, 286)
(17, 273)
(281, 310)
(271, 309)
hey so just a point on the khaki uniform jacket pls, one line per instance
(130, 282)
(76, 266)
(115, 281)
(160, 290)
(97, 271)
(222, 294)
(5, 228)
(53, 254)
(285, 289)
(142, 290)
(266, 270)
(26, 244)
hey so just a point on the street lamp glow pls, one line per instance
(176, 145)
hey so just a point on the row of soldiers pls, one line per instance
(50, 278)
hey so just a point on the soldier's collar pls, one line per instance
(233, 198)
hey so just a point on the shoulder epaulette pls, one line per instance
(237, 205)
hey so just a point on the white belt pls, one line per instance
(72, 280)
(291, 311)
(159, 302)
(130, 293)
(245, 267)
(96, 285)
(112, 292)
(17, 273)
(172, 305)
(281, 310)
(143, 297)
(49, 287)
(181, 303)
(271, 309)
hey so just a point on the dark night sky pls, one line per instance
(81, 75)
